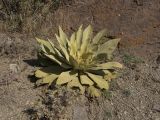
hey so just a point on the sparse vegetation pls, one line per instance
(126, 93)
(27, 15)
(108, 115)
(107, 94)
(129, 59)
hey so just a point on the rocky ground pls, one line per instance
(135, 95)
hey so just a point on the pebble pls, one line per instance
(14, 68)
(80, 113)
(156, 107)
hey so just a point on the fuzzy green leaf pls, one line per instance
(85, 80)
(73, 45)
(64, 48)
(99, 36)
(45, 44)
(47, 80)
(110, 75)
(57, 51)
(108, 47)
(64, 77)
(75, 83)
(61, 63)
(79, 35)
(43, 72)
(94, 92)
(63, 37)
(101, 83)
(87, 35)
(108, 65)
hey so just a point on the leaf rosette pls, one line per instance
(78, 62)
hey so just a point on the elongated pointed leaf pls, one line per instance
(43, 61)
(43, 49)
(61, 56)
(94, 92)
(47, 80)
(64, 48)
(73, 38)
(54, 59)
(87, 35)
(59, 40)
(86, 80)
(58, 61)
(99, 36)
(108, 47)
(73, 45)
(79, 36)
(54, 55)
(63, 37)
(45, 44)
(57, 51)
(108, 65)
(61, 43)
(101, 83)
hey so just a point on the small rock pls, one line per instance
(156, 107)
(125, 112)
(9, 42)
(80, 113)
(14, 68)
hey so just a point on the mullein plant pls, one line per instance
(78, 63)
